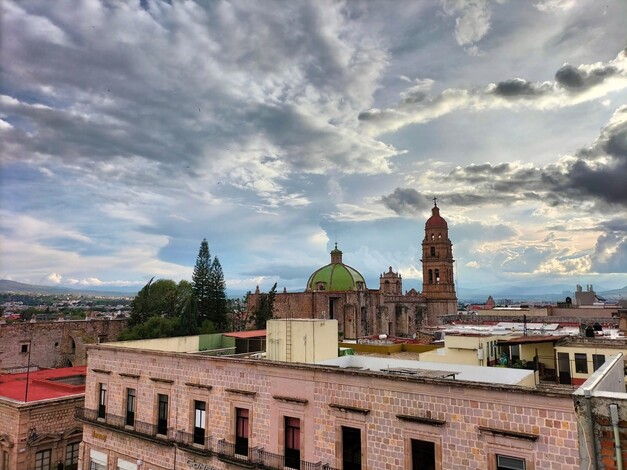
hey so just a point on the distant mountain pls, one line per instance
(21, 288)
(615, 292)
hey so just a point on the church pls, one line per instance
(338, 291)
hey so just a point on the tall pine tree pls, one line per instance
(201, 283)
(217, 296)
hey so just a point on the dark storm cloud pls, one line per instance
(583, 77)
(517, 87)
(598, 172)
(406, 201)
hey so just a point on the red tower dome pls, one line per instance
(436, 221)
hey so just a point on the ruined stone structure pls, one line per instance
(338, 291)
(52, 343)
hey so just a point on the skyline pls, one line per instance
(132, 131)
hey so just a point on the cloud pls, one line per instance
(405, 201)
(472, 19)
(572, 86)
(241, 99)
(54, 278)
(596, 172)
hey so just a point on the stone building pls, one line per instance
(49, 344)
(157, 409)
(338, 291)
(38, 428)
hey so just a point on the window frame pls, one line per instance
(199, 422)
(130, 406)
(581, 363)
(163, 413)
(242, 430)
(521, 459)
(596, 365)
(71, 455)
(292, 441)
(40, 459)
(102, 400)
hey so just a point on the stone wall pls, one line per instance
(36, 426)
(53, 344)
(469, 423)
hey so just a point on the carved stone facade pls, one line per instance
(338, 291)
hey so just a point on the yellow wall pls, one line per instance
(177, 344)
(301, 340)
(589, 351)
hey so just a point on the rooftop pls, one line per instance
(43, 384)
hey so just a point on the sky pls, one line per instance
(130, 131)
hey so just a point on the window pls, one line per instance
(97, 460)
(4, 461)
(422, 455)
(509, 463)
(24, 348)
(241, 431)
(102, 400)
(437, 276)
(581, 363)
(598, 360)
(42, 460)
(292, 442)
(162, 414)
(351, 448)
(433, 251)
(130, 407)
(200, 416)
(515, 352)
(71, 456)
(430, 276)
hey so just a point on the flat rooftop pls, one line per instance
(43, 384)
(491, 375)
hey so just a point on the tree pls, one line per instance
(265, 311)
(201, 282)
(158, 298)
(188, 312)
(217, 296)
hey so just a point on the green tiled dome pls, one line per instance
(336, 276)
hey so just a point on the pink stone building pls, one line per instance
(38, 428)
(157, 410)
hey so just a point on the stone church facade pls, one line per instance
(338, 291)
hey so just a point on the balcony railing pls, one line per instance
(119, 422)
(253, 458)
(270, 461)
(194, 442)
(228, 450)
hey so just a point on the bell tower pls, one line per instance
(438, 285)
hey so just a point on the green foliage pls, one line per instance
(207, 328)
(265, 311)
(154, 327)
(217, 295)
(201, 281)
(162, 298)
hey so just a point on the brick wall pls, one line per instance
(460, 441)
(53, 344)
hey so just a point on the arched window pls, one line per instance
(433, 236)
(72, 346)
(430, 276)
(439, 235)
(437, 276)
